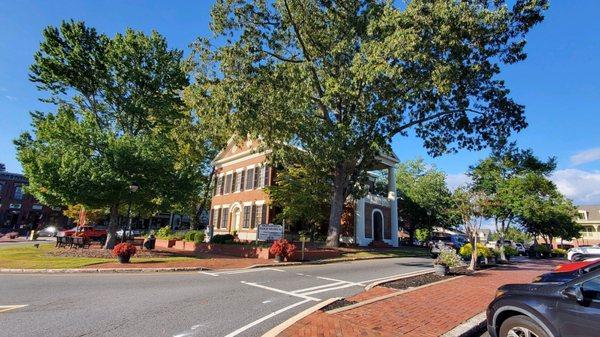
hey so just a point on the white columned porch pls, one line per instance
(393, 204)
(359, 227)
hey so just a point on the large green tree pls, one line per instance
(119, 119)
(498, 177)
(341, 78)
(425, 200)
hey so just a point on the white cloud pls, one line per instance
(10, 98)
(457, 180)
(583, 187)
(586, 156)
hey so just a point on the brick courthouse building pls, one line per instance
(240, 204)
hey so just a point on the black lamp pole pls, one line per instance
(133, 187)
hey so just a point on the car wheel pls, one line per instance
(576, 257)
(521, 326)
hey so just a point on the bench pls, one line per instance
(77, 242)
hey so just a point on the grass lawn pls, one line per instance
(395, 252)
(28, 257)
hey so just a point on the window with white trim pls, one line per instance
(224, 217)
(246, 219)
(257, 177)
(249, 178)
(215, 219)
(220, 185)
(258, 215)
(228, 183)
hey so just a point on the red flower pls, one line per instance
(282, 248)
(123, 249)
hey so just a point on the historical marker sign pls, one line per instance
(270, 232)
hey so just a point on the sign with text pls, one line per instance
(270, 232)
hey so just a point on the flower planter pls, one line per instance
(123, 258)
(441, 270)
(162, 243)
(179, 244)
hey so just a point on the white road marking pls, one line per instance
(207, 273)
(338, 280)
(281, 291)
(265, 302)
(329, 289)
(319, 287)
(260, 320)
(4, 308)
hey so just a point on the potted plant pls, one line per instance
(282, 249)
(124, 251)
(447, 258)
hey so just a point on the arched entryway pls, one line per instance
(377, 225)
(236, 219)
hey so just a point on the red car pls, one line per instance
(87, 232)
(567, 267)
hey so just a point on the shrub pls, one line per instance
(222, 238)
(559, 252)
(466, 250)
(124, 249)
(510, 251)
(449, 258)
(179, 235)
(282, 248)
(194, 236)
(164, 232)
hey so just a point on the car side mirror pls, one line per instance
(573, 293)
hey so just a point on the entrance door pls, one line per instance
(377, 226)
(235, 220)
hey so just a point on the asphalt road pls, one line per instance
(241, 303)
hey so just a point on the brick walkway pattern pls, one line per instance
(429, 311)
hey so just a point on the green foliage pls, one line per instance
(194, 236)
(304, 198)
(510, 251)
(119, 118)
(426, 200)
(448, 257)
(422, 234)
(222, 238)
(514, 234)
(559, 252)
(164, 232)
(340, 79)
(466, 250)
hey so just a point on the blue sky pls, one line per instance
(558, 83)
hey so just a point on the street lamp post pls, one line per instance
(133, 187)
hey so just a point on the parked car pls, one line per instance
(49, 231)
(569, 309)
(581, 253)
(437, 243)
(87, 232)
(575, 265)
(134, 232)
(569, 272)
(496, 244)
(521, 250)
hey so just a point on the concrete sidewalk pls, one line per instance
(428, 311)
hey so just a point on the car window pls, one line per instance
(591, 289)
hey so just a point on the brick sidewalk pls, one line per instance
(429, 311)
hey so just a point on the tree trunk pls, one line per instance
(204, 202)
(111, 236)
(473, 240)
(337, 206)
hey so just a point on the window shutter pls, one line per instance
(249, 178)
(221, 184)
(256, 177)
(243, 175)
(235, 181)
(253, 216)
(264, 214)
(267, 171)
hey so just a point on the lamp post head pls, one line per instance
(133, 187)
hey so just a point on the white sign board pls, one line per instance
(270, 232)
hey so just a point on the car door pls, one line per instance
(581, 318)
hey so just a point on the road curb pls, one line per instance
(290, 321)
(392, 279)
(471, 327)
(99, 270)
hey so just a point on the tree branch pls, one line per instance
(435, 116)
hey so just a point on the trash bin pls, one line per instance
(150, 242)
